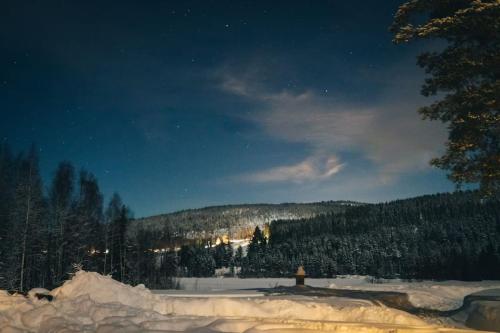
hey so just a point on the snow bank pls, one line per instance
(445, 295)
(94, 303)
(103, 289)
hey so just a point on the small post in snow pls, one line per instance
(300, 276)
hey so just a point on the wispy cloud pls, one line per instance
(389, 133)
(311, 169)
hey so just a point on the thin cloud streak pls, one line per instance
(388, 134)
(312, 169)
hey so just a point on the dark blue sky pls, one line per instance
(192, 103)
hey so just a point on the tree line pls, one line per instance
(45, 233)
(442, 236)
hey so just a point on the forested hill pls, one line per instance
(236, 221)
(442, 236)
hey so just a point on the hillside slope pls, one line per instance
(235, 221)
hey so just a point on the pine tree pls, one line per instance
(238, 256)
(467, 74)
(86, 229)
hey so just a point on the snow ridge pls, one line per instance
(91, 302)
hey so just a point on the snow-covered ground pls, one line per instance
(94, 303)
(445, 295)
(91, 302)
(214, 284)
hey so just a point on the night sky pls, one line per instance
(192, 103)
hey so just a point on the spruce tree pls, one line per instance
(86, 229)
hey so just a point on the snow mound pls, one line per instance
(103, 289)
(91, 302)
(445, 295)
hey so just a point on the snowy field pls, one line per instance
(213, 284)
(446, 295)
(94, 303)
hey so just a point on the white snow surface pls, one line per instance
(438, 295)
(230, 283)
(91, 302)
(445, 295)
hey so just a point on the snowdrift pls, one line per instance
(94, 303)
(443, 296)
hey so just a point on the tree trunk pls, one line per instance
(25, 234)
(60, 249)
